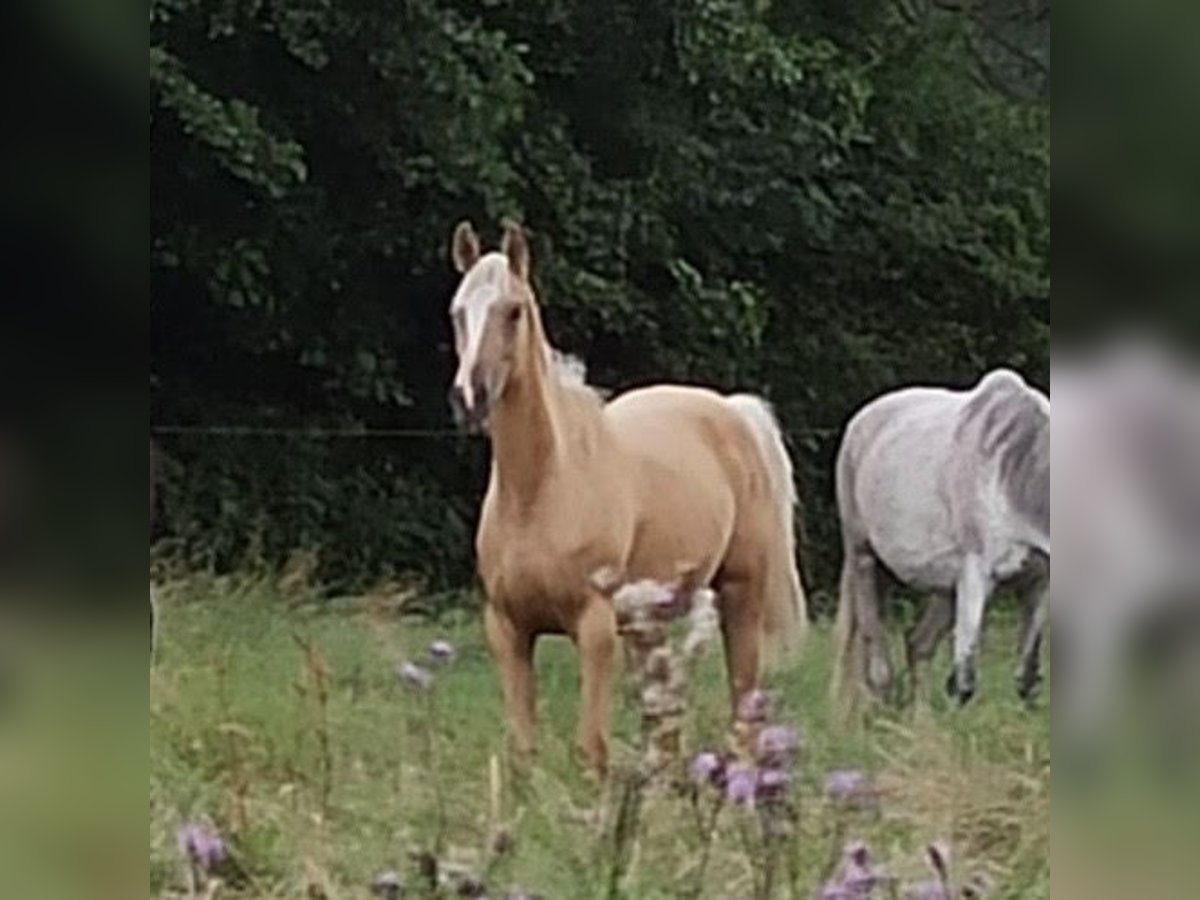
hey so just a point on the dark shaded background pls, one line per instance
(812, 200)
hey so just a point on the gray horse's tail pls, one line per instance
(787, 607)
(845, 640)
(847, 662)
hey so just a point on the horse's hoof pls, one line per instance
(1028, 687)
(960, 686)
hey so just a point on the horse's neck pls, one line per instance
(535, 433)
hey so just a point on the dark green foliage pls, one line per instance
(815, 201)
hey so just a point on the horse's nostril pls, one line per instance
(479, 388)
(458, 401)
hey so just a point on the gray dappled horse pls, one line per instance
(948, 492)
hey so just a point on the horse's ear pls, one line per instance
(514, 245)
(464, 247)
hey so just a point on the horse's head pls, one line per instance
(494, 315)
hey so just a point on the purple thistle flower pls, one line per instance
(772, 783)
(741, 783)
(442, 651)
(667, 604)
(858, 877)
(415, 676)
(851, 787)
(755, 706)
(201, 845)
(777, 744)
(859, 874)
(706, 768)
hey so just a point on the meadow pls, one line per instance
(278, 722)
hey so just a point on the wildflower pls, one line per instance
(643, 598)
(659, 665)
(755, 706)
(442, 651)
(703, 622)
(386, 885)
(201, 845)
(706, 768)
(858, 877)
(741, 783)
(666, 604)
(777, 744)
(773, 781)
(415, 676)
(852, 788)
(660, 701)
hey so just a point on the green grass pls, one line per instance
(237, 732)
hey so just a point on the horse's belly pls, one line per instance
(666, 547)
(910, 530)
(920, 568)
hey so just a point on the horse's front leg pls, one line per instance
(513, 649)
(596, 639)
(970, 598)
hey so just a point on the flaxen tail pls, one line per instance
(787, 608)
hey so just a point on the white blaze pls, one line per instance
(484, 285)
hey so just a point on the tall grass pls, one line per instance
(283, 726)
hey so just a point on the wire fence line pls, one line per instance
(368, 433)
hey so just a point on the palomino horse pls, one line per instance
(949, 492)
(659, 480)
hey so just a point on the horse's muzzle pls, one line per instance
(471, 417)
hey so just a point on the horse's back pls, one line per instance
(679, 425)
(917, 474)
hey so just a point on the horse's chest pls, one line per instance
(542, 578)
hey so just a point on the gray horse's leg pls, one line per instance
(922, 641)
(1035, 603)
(970, 598)
(862, 573)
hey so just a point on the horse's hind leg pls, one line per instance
(743, 626)
(922, 641)
(1034, 600)
(860, 576)
(513, 650)
(596, 637)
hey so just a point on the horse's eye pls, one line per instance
(514, 315)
